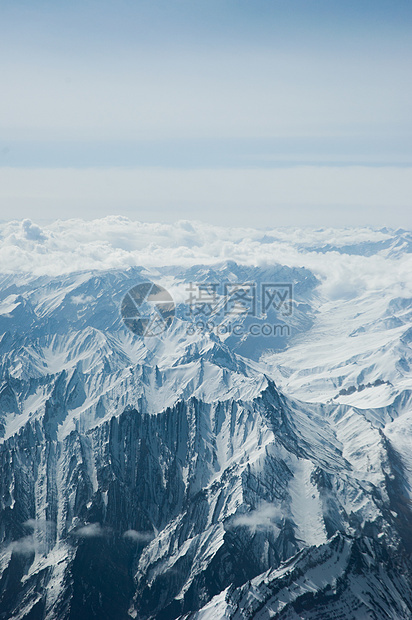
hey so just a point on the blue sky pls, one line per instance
(254, 89)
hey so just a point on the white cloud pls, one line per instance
(24, 546)
(31, 231)
(35, 541)
(91, 530)
(265, 517)
(138, 537)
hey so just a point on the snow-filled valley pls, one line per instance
(209, 472)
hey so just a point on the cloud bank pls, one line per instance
(116, 242)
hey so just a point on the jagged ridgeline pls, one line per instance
(177, 477)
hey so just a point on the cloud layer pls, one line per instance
(118, 243)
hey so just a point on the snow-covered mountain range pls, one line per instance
(209, 472)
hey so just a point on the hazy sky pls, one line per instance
(259, 112)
